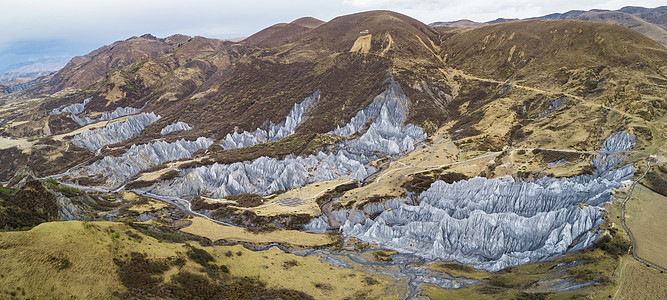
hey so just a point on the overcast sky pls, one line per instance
(33, 29)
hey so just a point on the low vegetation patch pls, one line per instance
(383, 255)
(27, 207)
(421, 182)
(66, 190)
(247, 200)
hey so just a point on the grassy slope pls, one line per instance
(216, 232)
(647, 214)
(60, 260)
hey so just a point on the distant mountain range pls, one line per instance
(25, 71)
(651, 22)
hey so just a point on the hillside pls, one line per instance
(650, 22)
(84, 70)
(280, 34)
(474, 161)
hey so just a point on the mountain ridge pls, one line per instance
(648, 21)
(501, 146)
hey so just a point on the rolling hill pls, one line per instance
(498, 150)
(647, 21)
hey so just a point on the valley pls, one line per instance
(370, 156)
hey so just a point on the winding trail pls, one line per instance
(627, 229)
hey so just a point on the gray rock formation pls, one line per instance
(67, 211)
(114, 133)
(265, 175)
(119, 112)
(275, 132)
(73, 109)
(78, 108)
(496, 223)
(118, 170)
(175, 127)
(354, 216)
(386, 133)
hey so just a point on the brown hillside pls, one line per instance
(308, 22)
(263, 34)
(656, 15)
(651, 22)
(82, 71)
(286, 34)
(520, 50)
(282, 33)
(392, 35)
(651, 30)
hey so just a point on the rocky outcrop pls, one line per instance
(275, 132)
(610, 153)
(354, 216)
(78, 108)
(175, 127)
(115, 132)
(265, 175)
(13, 88)
(496, 223)
(386, 133)
(118, 170)
(67, 211)
(72, 109)
(119, 112)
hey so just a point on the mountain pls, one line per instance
(283, 33)
(43, 66)
(651, 22)
(498, 149)
(83, 70)
(16, 77)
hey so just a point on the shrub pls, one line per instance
(370, 280)
(613, 246)
(200, 256)
(290, 263)
(247, 200)
(138, 272)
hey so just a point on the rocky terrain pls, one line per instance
(496, 223)
(439, 157)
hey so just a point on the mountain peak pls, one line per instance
(308, 22)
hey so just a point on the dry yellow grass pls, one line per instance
(214, 232)
(362, 44)
(442, 151)
(647, 218)
(308, 193)
(334, 283)
(390, 43)
(147, 204)
(470, 292)
(35, 262)
(6, 142)
(459, 272)
(640, 282)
